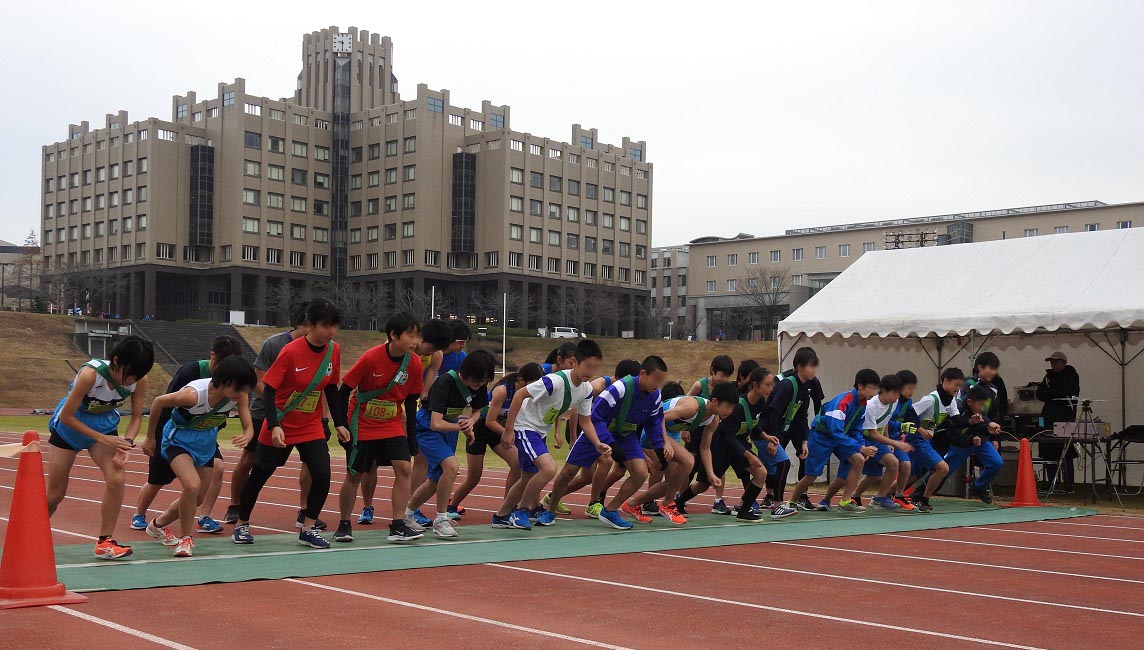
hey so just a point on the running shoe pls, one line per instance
(984, 496)
(804, 504)
(366, 518)
(186, 547)
(922, 503)
(594, 509)
(856, 499)
(109, 549)
(535, 513)
(301, 522)
(669, 513)
(905, 504)
(560, 509)
(823, 506)
(452, 513)
(613, 519)
(720, 508)
(457, 509)
(650, 509)
(310, 537)
(242, 534)
(444, 528)
(344, 532)
(139, 522)
(681, 507)
(635, 513)
(399, 532)
(519, 519)
(769, 502)
(747, 515)
(231, 515)
(412, 524)
(164, 535)
(850, 506)
(883, 503)
(501, 522)
(421, 519)
(782, 511)
(546, 518)
(208, 525)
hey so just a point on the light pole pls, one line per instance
(3, 267)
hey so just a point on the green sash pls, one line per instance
(620, 425)
(793, 405)
(749, 420)
(101, 368)
(198, 420)
(204, 369)
(319, 375)
(363, 399)
(553, 414)
(705, 387)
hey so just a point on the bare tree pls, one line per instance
(26, 272)
(490, 307)
(655, 318)
(765, 291)
(81, 286)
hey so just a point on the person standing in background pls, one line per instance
(1058, 390)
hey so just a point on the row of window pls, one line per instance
(114, 254)
(591, 190)
(97, 175)
(667, 280)
(796, 255)
(99, 145)
(572, 241)
(574, 159)
(536, 209)
(130, 195)
(321, 235)
(97, 229)
(775, 283)
(1062, 230)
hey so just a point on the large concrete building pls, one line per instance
(245, 203)
(744, 285)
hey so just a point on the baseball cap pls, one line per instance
(1057, 356)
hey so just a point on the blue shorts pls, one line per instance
(530, 445)
(770, 461)
(645, 439)
(822, 445)
(624, 448)
(924, 457)
(436, 446)
(200, 444)
(105, 423)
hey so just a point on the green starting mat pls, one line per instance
(218, 559)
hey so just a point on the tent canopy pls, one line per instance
(1074, 282)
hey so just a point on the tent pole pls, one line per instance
(1123, 378)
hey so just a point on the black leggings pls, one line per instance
(315, 455)
(777, 480)
(784, 441)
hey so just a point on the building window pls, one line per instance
(710, 286)
(589, 217)
(409, 257)
(250, 225)
(554, 210)
(456, 120)
(321, 181)
(409, 173)
(434, 104)
(274, 256)
(297, 231)
(796, 254)
(165, 251)
(515, 232)
(590, 190)
(408, 201)
(1091, 227)
(410, 114)
(732, 259)
(535, 207)
(276, 114)
(711, 261)
(609, 220)
(297, 259)
(625, 249)
(298, 176)
(1060, 230)
(844, 250)
(535, 149)
(1030, 232)
(371, 233)
(641, 201)
(275, 172)
(609, 195)
(355, 262)
(298, 148)
(515, 204)
(321, 153)
(1121, 225)
(252, 168)
(371, 260)
(536, 179)
(625, 197)
(300, 120)
(274, 228)
(796, 279)
(819, 252)
(408, 228)
(606, 247)
(321, 235)
(410, 144)
(535, 235)
(390, 203)
(390, 259)
(589, 244)
(514, 260)
(228, 98)
(251, 109)
(573, 241)
(516, 175)
(732, 285)
(432, 258)
(752, 258)
(252, 140)
(249, 253)
(516, 145)
(249, 197)
(554, 238)
(321, 208)
(276, 145)
(533, 262)
(868, 247)
(573, 214)
(320, 261)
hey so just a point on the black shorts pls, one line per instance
(159, 470)
(382, 453)
(724, 456)
(175, 452)
(252, 446)
(410, 406)
(483, 438)
(270, 458)
(56, 441)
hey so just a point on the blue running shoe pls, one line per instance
(546, 518)
(613, 519)
(242, 534)
(453, 514)
(823, 505)
(310, 537)
(519, 519)
(421, 519)
(139, 522)
(719, 508)
(366, 517)
(535, 513)
(501, 522)
(885, 503)
(208, 525)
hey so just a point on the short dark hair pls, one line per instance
(805, 357)
(461, 331)
(587, 349)
(757, 375)
(400, 323)
(479, 365)
(320, 311)
(298, 315)
(726, 391)
(672, 390)
(978, 393)
(745, 368)
(437, 333)
(654, 363)
(723, 364)
(908, 378)
(890, 383)
(952, 374)
(225, 346)
(987, 360)
(627, 368)
(135, 355)
(567, 350)
(865, 377)
(527, 373)
(234, 371)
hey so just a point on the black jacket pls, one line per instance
(1053, 387)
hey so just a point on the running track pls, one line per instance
(1034, 585)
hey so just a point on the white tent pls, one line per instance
(930, 308)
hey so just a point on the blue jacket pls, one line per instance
(903, 412)
(645, 412)
(842, 416)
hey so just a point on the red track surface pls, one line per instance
(818, 593)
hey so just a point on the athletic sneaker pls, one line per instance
(208, 525)
(310, 537)
(185, 548)
(922, 503)
(884, 503)
(681, 507)
(452, 513)
(720, 508)
(164, 535)
(519, 519)
(984, 496)
(421, 519)
(501, 522)
(650, 509)
(669, 513)
(594, 509)
(242, 534)
(535, 513)
(344, 532)
(782, 511)
(231, 515)
(301, 522)
(613, 519)
(109, 549)
(444, 528)
(804, 504)
(457, 509)
(399, 532)
(850, 506)
(634, 513)
(768, 502)
(904, 503)
(824, 506)
(856, 499)
(366, 518)
(139, 522)
(412, 524)
(749, 516)
(546, 518)
(560, 509)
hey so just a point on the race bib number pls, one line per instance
(212, 422)
(627, 429)
(377, 409)
(100, 408)
(552, 416)
(453, 414)
(307, 404)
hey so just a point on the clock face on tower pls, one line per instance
(343, 43)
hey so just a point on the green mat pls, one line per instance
(218, 559)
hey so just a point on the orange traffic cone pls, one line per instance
(28, 568)
(1026, 494)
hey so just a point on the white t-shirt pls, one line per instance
(929, 407)
(877, 415)
(546, 397)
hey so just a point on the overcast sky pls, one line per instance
(757, 119)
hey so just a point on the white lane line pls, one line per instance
(781, 610)
(887, 583)
(468, 617)
(139, 634)
(64, 532)
(898, 556)
(1077, 523)
(1020, 548)
(1036, 532)
(1101, 514)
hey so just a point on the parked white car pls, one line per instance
(567, 333)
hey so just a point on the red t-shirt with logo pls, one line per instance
(383, 416)
(290, 374)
